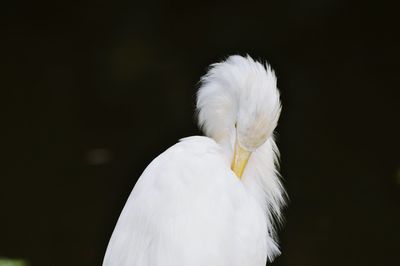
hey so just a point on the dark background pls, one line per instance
(95, 90)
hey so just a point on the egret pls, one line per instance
(211, 200)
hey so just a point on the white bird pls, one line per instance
(215, 200)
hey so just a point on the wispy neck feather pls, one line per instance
(238, 98)
(262, 180)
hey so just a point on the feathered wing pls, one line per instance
(188, 208)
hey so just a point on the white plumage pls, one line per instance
(211, 200)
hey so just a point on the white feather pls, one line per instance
(188, 208)
(239, 92)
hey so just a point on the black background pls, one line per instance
(95, 90)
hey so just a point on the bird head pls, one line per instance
(238, 106)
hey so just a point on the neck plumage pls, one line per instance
(262, 180)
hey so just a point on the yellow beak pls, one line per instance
(240, 159)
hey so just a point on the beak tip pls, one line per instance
(240, 159)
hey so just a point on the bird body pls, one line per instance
(190, 207)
